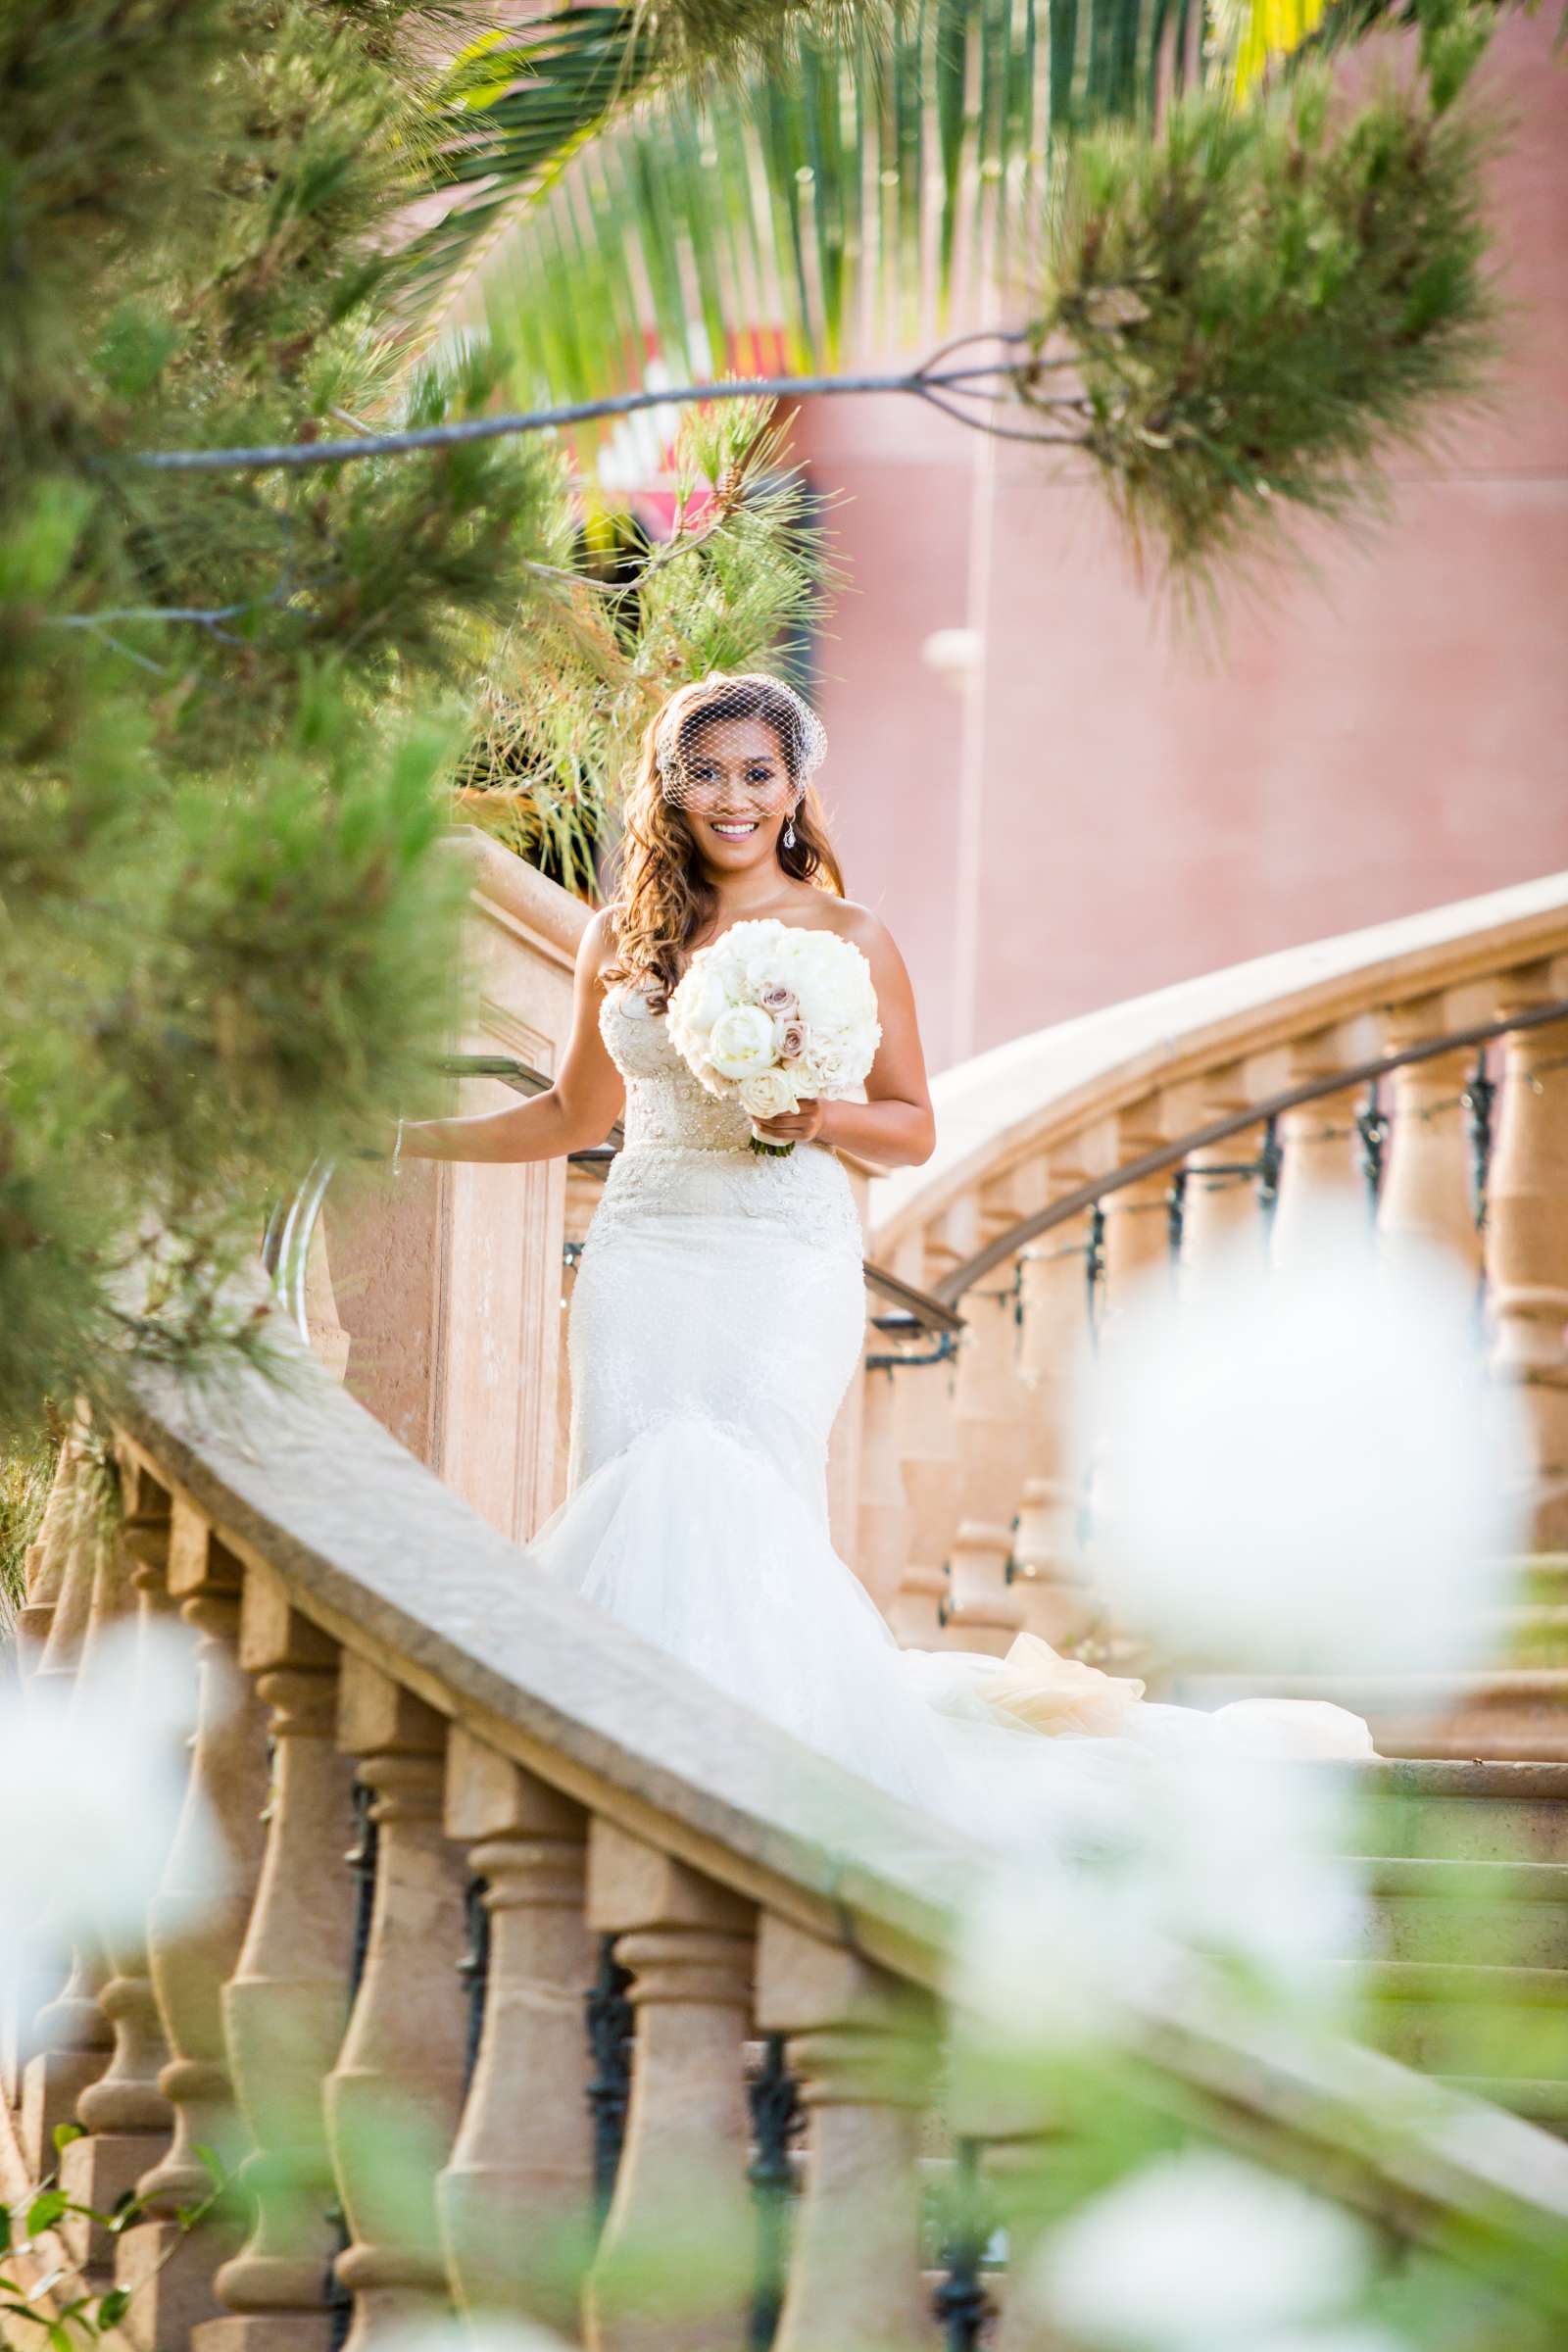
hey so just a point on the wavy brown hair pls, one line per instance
(662, 897)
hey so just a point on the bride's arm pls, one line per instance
(895, 1127)
(578, 1109)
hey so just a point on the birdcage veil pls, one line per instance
(747, 694)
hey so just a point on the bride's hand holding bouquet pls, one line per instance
(777, 1018)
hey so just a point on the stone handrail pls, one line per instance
(624, 1826)
(971, 1525)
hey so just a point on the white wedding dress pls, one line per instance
(718, 1318)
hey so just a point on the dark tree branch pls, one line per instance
(923, 382)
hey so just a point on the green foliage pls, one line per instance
(225, 700)
(565, 706)
(1260, 306)
(25, 1477)
(232, 705)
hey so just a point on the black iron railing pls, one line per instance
(1372, 1123)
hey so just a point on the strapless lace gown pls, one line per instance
(718, 1317)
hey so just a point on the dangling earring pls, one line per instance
(788, 834)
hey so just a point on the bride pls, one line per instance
(719, 1313)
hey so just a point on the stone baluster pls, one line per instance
(883, 1521)
(396, 2091)
(47, 1555)
(1426, 1197)
(928, 1449)
(514, 2200)
(1224, 1233)
(1526, 1237)
(70, 2040)
(195, 1936)
(66, 2049)
(84, 1540)
(126, 2115)
(1138, 1235)
(676, 2264)
(1138, 1270)
(1054, 1296)
(861, 2046)
(1320, 1154)
(285, 2005)
(985, 1610)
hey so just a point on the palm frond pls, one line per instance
(877, 195)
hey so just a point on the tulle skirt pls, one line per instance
(709, 1351)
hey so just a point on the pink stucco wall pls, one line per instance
(1107, 808)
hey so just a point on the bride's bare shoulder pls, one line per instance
(853, 921)
(596, 948)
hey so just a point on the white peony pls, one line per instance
(706, 997)
(740, 1043)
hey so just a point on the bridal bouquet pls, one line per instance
(770, 1017)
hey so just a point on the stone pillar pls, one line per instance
(1138, 1270)
(675, 2267)
(985, 1610)
(1320, 1154)
(286, 2006)
(864, 2047)
(396, 2086)
(1223, 1227)
(195, 1937)
(1054, 1296)
(1527, 1239)
(1426, 1197)
(514, 2200)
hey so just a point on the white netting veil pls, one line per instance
(696, 763)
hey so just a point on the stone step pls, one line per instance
(1467, 1913)
(1507, 2023)
(1471, 1810)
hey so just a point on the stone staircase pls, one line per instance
(1466, 1953)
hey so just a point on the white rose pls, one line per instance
(768, 1095)
(829, 1066)
(740, 1043)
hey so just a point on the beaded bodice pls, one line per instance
(665, 1103)
(686, 1151)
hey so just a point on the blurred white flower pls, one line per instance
(1201, 2252)
(1168, 1850)
(97, 1771)
(475, 2335)
(1307, 1470)
(1353, 2338)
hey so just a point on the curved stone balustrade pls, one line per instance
(516, 1740)
(969, 1524)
